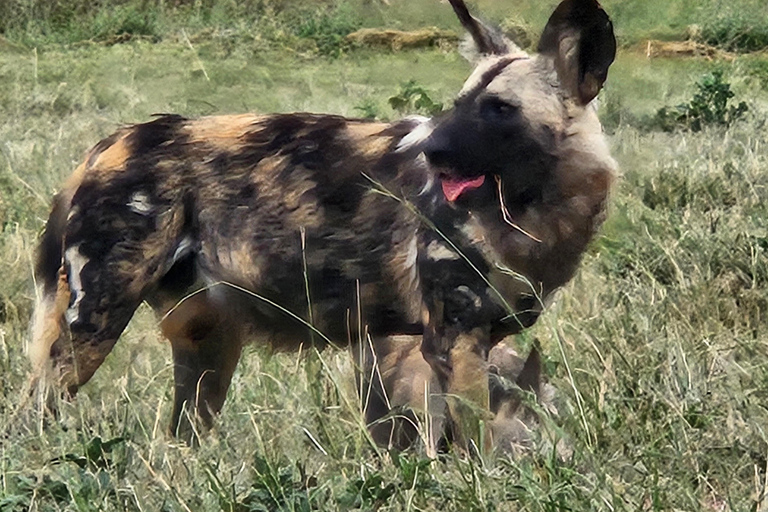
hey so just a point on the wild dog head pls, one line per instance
(515, 108)
(523, 138)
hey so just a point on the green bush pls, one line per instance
(756, 68)
(124, 20)
(38, 22)
(414, 99)
(66, 21)
(709, 106)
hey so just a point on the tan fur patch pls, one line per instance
(112, 158)
(222, 132)
(72, 184)
(409, 381)
(403, 267)
(470, 369)
(526, 83)
(46, 324)
(367, 140)
(178, 323)
(360, 131)
(240, 259)
(468, 395)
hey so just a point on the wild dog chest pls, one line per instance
(465, 283)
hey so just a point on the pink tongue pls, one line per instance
(454, 188)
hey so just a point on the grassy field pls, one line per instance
(658, 348)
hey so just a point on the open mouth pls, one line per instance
(453, 188)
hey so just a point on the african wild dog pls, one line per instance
(453, 230)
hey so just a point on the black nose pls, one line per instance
(438, 157)
(438, 149)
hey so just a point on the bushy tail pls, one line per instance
(49, 252)
(48, 324)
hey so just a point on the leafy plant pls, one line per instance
(96, 454)
(92, 481)
(414, 99)
(709, 106)
(368, 493)
(23, 489)
(276, 487)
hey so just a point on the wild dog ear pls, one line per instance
(579, 36)
(487, 41)
(530, 376)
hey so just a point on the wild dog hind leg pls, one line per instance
(206, 343)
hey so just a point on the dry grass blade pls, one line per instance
(505, 213)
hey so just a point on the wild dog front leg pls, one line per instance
(459, 357)
(402, 396)
(457, 318)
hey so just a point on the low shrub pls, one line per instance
(414, 99)
(709, 106)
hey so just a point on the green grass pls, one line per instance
(740, 25)
(658, 348)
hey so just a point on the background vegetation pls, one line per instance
(658, 348)
(740, 25)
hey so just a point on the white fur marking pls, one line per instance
(437, 251)
(411, 287)
(76, 263)
(182, 249)
(428, 185)
(421, 160)
(410, 260)
(419, 134)
(74, 211)
(139, 203)
(476, 300)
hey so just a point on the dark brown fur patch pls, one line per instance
(49, 251)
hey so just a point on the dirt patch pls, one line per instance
(398, 40)
(683, 49)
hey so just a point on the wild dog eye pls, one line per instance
(494, 109)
